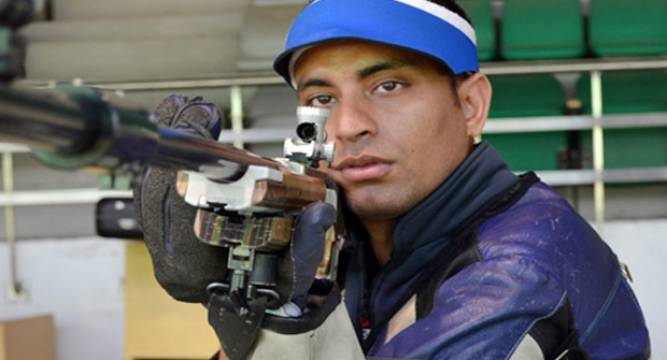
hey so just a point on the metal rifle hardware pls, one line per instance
(246, 202)
(255, 241)
(311, 146)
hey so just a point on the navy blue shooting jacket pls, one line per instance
(488, 258)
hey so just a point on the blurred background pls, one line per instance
(580, 96)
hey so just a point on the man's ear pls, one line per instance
(475, 99)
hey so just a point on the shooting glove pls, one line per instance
(183, 265)
(238, 330)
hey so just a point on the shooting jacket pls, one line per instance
(487, 260)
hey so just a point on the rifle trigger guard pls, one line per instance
(218, 288)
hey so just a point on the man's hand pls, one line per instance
(183, 265)
(237, 331)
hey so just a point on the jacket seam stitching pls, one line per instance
(603, 310)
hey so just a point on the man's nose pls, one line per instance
(351, 121)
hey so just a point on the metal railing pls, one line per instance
(493, 68)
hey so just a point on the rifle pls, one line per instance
(245, 202)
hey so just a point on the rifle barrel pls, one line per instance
(41, 120)
(75, 127)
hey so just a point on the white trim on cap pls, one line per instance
(292, 63)
(445, 14)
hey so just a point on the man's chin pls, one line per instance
(376, 209)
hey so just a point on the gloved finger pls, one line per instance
(191, 115)
(183, 265)
(166, 110)
(199, 117)
(307, 246)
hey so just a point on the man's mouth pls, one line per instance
(363, 168)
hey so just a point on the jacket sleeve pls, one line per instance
(483, 312)
(334, 339)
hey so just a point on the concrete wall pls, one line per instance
(126, 40)
(642, 246)
(80, 282)
(130, 40)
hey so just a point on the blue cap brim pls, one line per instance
(389, 22)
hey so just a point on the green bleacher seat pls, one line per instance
(630, 93)
(542, 29)
(481, 15)
(527, 96)
(628, 28)
(108, 182)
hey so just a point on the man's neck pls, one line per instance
(381, 233)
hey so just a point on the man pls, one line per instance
(450, 254)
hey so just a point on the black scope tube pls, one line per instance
(80, 127)
(42, 120)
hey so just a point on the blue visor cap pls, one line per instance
(417, 25)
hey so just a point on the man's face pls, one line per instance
(395, 117)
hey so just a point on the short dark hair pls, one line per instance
(454, 7)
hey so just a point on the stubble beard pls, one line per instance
(381, 204)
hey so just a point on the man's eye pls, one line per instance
(321, 100)
(389, 86)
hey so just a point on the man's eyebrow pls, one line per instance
(382, 66)
(363, 73)
(313, 83)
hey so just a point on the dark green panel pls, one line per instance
(544, 29)
(628, 93)
(628, 28)
(530, 151)
(527, 96)
(5, 49)
(628, 148)
(108, 182)
(481, 15)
